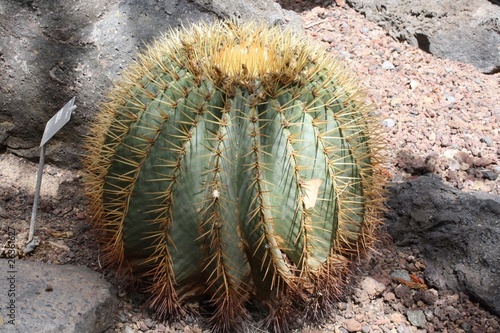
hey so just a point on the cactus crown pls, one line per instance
(237, 162)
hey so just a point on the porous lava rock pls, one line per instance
(458, 233)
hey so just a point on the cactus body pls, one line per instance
(237, 162)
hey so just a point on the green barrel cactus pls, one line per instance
(236, 164)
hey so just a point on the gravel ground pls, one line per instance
(441, 117)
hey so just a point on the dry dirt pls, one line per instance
(441, 117)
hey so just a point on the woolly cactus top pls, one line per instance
(228, 53)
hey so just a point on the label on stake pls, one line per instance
(58, 121)
(52, 127)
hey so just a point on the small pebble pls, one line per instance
(403, 329)
(401, 274)
(450, 98)
(128, 329)
(413, 84)
(405, 295)
(487, 140)
(122, 317)
(452, 313)
(428, 314)
(388, 122)
(142, 326)
(389, 297)
(397, 318)
(466, 327)
(149, 323)
(352, 325)
(372, 287)
(81, 215)
(320, 11)
(416, 318)
(488, 174)
(428, 297)
(387, 65)
(342, 306)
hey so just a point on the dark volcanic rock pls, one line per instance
(51, 51)
(467, 31)
(49, 298)
(457, 232)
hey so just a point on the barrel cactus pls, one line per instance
(236, 165)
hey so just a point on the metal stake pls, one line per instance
(31, 244)
(53, 125)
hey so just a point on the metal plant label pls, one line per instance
(52, 127)
(58, 121)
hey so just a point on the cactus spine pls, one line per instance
(238, 163)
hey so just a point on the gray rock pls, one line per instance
(388, 65)
(51, 51)
(372, 287)
(452, 313)
(416, 318)
(128, 329)
(429, 297)
(389, 122)
(458, 234)
(405, 295)
(487, 140)
(403, 329)
(51, 298)
(352, 325)
(368, 289)
(467, 31)
(450, 98)
(256, 10)
(488, 174)
(401, 274)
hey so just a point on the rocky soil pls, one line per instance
(441, 117)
